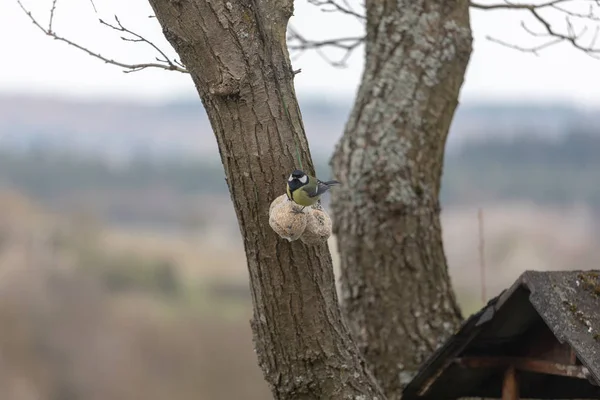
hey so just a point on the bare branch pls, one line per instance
(51, 15)
(300, 44)
(176, 61)
(516, 6)
(161, 63)
(138, 38)
(534, 49)
(549, 33)
(590, 15)
(94, 5)
(341, 6)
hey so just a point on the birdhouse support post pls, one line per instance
(510, 386)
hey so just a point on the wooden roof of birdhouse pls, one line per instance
(546, 326)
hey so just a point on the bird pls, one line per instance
(306, 190)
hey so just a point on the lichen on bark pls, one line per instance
(396, 291)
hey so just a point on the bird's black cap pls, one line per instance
(297, 173)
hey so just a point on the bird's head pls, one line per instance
(297, 179)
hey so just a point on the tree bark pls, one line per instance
(237, 55)
(396, 291)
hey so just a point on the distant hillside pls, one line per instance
(120, 130)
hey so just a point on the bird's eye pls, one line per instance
(303, 179)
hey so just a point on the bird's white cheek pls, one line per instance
(304, 179)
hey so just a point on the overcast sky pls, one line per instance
(31, 62)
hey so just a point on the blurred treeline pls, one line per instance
(556, 171)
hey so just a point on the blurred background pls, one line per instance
(122, 271)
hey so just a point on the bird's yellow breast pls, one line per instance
(301, 197)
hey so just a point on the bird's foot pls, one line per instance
(297, 211)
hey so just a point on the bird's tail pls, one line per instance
(332, 183)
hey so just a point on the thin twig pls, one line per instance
(533, 50)
(52, 15)
(335, 6)
(94, 5)
(549, 33)
(298, 43)
(590, 15)
(516, 6)
(163, 64)
(138, 38)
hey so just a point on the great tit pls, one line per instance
(306, 190)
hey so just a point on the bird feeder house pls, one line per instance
(539, 339)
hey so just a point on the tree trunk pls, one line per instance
(396, 291)
(237, 55)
